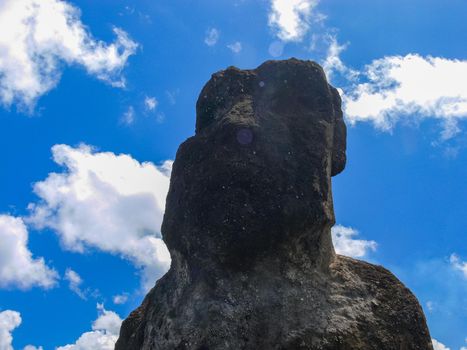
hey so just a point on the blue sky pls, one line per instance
(96, 97)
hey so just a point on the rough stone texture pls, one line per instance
(248, 221)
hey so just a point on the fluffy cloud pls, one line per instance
(333, 63)
(150, 103)
(32, 347)
(346, 244)
(108, 202)
(120, 299)
(18, 268)
(235, 47)
(38, 36)
(212, 36)
(290, 19)
(104, 334)
(128, 117)
(108, 321)
(74, 282)
(410, 86)
(9, 320)
(458, 264)
(439, 346)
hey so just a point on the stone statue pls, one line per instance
(248, 220)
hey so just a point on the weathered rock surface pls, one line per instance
(248, 221)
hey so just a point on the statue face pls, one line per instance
(258, 171)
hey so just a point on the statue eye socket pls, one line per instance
(244, 136)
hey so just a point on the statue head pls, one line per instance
(257, 173)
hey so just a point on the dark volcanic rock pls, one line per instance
(248, 221)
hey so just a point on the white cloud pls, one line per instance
(235, 47)
(211, 37)
(108, 202)
(120, 299)
(439, 346)
(128, 117)
(108, 321)
(18, 268)
(410, 87)
(38, 36)
(458, 264)
(346, 244)
(104, 334)
(74, 282)
(9, 320)
(290, 19)
(333, 63)
(150, 103)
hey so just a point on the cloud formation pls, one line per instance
(290, 19)
(150, 103)
(104, 334)
(438, 345)
(410, 87)
(18, 268)
(74, 282)
(9, 320)
(39, 37)
(128, 117)
(212, 36)
(346, 244)
(108, 202)
(120, 299)
(235, 47)
(333, 63)
(458, 264)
